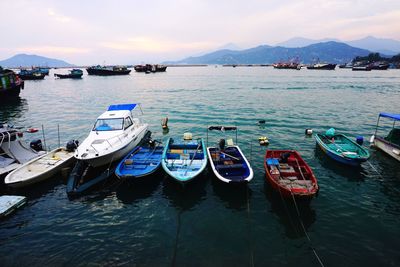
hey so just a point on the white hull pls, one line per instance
(118, 152)
(386, 147)
(39, 169)
(220, 177)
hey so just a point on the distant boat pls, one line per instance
(346, 66)
(391, 143)
(108, 70)
(10, 84)
(73, 74)
(42, 70)
(362, 68)
(287, 65)
(150, 68)
(321, 66)
(341, 148)
(380, 66)
(25, 74)
(184, 160)
(289, 174)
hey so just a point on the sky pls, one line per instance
(126, 32)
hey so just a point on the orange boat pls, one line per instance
(289, 174)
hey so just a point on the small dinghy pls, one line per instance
(341, 148)
(41, 168)
(10, 203)
(184, 160)
(141, 161)
(228, 162)
(289, 174)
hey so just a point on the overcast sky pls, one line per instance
(122, 31)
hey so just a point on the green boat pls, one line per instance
(341, 148)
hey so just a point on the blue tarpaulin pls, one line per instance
(122, 107)
(390, 115)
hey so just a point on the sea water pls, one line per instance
(353, 221)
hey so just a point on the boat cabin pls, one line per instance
(390, 144)
(116, 118)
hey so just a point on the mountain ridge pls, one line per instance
(25, 60)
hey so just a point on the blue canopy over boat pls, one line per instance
(390, 115)
(129, 107)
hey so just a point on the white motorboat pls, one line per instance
(115, 133)
(40, 168)
(391, 143)
(13, 150)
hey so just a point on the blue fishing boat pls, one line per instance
(227, 160)
(389, 144)
(184, 160)
(141, 161)
(341, 148)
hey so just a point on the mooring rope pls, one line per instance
(372, 166)
(250, 232)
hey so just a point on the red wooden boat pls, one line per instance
(289, 174)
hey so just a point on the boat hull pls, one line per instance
(387, 147)
(305, 185)
(69, 76)
(337, 153)
(230, 173)
(39, 169)
(12, 92)
(103, 72)
(184, 161)
(323, 67)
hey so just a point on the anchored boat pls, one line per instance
(289, 174)
(40, 168)
(228, 162)
(184, 160)
(391, 143)
(10, 84)
(115, 133)
(141, 161)
(341, 148)
(73, 74)
(108, 70)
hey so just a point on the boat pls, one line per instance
(391, 143)
(184, 160)
(287, 65)
(321, 66)
(346, 65)
(341, 148)
(115, 133)
(108, 70)
(227, 161)
(362, 68)
(25, 74)
(10, 84)
(150, 68)
(380, 66)
(14, 151)
(40, 168)
(8, 204)
(43, 70)
(141, 161)
(73, 74)
(289, 174)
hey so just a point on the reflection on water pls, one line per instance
(286, 210)
(235, 196)
(13, 109)
(131, 191)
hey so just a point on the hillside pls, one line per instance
(333, 52)
(24, 60)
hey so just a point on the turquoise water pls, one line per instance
(354, 220)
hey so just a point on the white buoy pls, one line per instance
(164, 123)
(308, 132)
(187, 136)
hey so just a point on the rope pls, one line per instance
(372, 166)
(305, 232)
(250, 232)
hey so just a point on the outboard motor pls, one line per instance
(221, 144)
(36, 145)
(152, 143)
(72, 145)
(360, 140)
(284, 157)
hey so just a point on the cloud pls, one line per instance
(58, 17)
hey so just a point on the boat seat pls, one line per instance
(230, 166)
(173, 156)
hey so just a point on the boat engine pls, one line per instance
(36, 145)
(284, 157)
(72, 145)
(221, 144)
(360, 140)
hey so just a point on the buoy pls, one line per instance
(263, 140)
(20, 134)
(308, 132)
(164, 123)
(187, 136)
(261, 122)
(360, 140)
(32, 130)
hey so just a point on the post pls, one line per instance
(58, 133)
(44, 138)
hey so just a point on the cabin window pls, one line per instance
(108, 124)
(128, 122)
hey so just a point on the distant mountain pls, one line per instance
(302, 42)
(380, 45)
(384, 46)
(332, 52)
(24, 60)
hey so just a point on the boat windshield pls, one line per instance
(109, 124)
